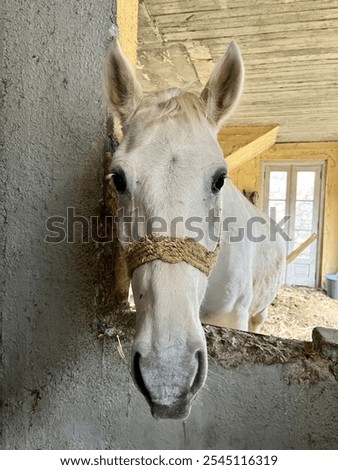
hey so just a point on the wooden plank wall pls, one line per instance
(290, 50)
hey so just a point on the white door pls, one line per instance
(295, 190)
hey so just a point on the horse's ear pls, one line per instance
(223, 90)
(123, 91)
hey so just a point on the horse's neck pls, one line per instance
(236, 205)
(240, 217)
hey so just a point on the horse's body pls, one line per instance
(169, 165)
(248, 272)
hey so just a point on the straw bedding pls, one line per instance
(297, 310)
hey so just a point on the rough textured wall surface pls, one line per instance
(63, 386)
(52, 159)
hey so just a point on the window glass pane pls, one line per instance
(303, 215)
(277, 210)
(277, 184)
(305, 185)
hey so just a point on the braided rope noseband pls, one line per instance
(170, 250)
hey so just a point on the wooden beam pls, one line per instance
(295, 253)
(127, 16)
(241, 144)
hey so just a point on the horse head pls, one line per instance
(168, 173)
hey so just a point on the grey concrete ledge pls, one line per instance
(305, 362)
(325, 341)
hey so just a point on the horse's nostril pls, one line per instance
(201, 372)
(138, 377)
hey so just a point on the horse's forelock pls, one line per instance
(173, 103)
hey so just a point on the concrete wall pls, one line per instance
(63, 386)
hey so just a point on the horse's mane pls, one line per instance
(174, 103)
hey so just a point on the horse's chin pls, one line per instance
(177, 411)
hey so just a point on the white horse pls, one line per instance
(171, 178)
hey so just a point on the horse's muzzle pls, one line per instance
(170, 386)
(178, 411)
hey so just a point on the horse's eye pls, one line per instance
(119, 180)
(218, 181)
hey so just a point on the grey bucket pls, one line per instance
(332, 286)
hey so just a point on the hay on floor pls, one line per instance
(297, 310)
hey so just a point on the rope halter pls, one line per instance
(170, 250)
